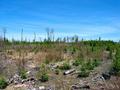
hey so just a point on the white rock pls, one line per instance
(42, 88)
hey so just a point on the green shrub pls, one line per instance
(65, 66)
(116, 66)
(44, 77)
(3, 83)
(108, 48)
(77, 62)
(83, 72)
(47, 61)
(42, 73)
(116, 62)
(96, 62)
(23, 74)
(89, 65)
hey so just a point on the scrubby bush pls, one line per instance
(83, 72)
(77, 62)
(108, 48)
(44, 77)
(3, 83)
(42, 73)
(89, 65)
(116, 63)
(65, 66)
(22, 74)
(96, 62)
(47, 61)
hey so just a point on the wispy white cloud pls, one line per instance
(83, 30)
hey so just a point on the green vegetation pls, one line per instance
(57, 55)
(86, 54)
(77, 62)
(83, 72)
(91, 64)
(44, 77)
(65, 66)
(87, 66)
(116, 62)
(23, 74)
(42, 73)
(3, 83)
(96, 62)
(47, 61)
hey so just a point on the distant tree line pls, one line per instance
(50, 39)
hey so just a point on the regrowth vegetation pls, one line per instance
(3, 83)
(116, 63)
(60, 55)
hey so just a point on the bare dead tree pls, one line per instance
(40, 39)
(4, 38)
(34, 37)
(21, 35)
(52, 34)
(68, 39)
(76, 38)
(26, 39)
(99, 38)
(64, 40)
(4, 33)
(48, 34)
(1, 41)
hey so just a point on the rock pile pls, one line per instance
(16, 79)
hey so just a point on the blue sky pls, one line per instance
(89, 19)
